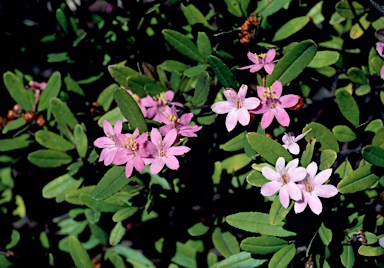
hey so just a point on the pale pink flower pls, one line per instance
(110, 143)
(162, 151)
(312, 188)
(172, 121)
(132, 151)
(158, 103)
(290, 142)
(236, 106)
(260, 61)
(283, 179)
(380, 50)
(273, 104)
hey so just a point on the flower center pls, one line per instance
(130, 144)
(161, 99)
(173, 118)
(238, 104)
(285, 178)
(263, 55)
(162, 153)
(271, 98)
(308, 187)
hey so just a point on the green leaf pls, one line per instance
(306, 156)
(62, 20)
(107, 205)
(325, 234)
(322, 135)
(106, 97)
(266, 7)
(234, 144)
(133, 256)
(73, 86)
(200, 95)
(343, 133)
(378, 139)
(130, 109)
(17, 91)
(92, 216)
(203, 44)
(371, 251)
(124, 214)
(327, 158)
(377, 63)
(51, 91)
(348, 106)
(257, 179)
(257, 222)
(198, 229)
(15, 124)
(348, 256)
(117, 234)
(291, 27)
(222, 72)
(112, 116)
(263, 244)
(358, 180)
(182, 44)
(112, 182)
(49, 158)
(78, 253)
(374, 155)
(137, 82)
(234, 7)
(277, 212)
(58, 57)
(235, 162)
(116, 260)
(173, 65)
(99, 233)
(15, 238)
(225, 243)
(283, 257)
(344, 9)
(73, 197)
(81, 141)
(269, 149)
(242, 259)
(64, 117)
(120, 73)
(293, 62)
(357, 76)
(193, 16)
(323, 59)
(374, 125)
(57, 186)
(315, 13)
(344, 169)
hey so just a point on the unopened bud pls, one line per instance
(299, 104)
(29, 116)
(17, 108)
(40, 121)
(11, 114)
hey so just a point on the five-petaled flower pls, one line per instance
(262, 60)
(158, 103)
(380, 50)
(237, 107)
(312, 188)
(283, 179)
(290, 142)
(273, 104)
(110, 143)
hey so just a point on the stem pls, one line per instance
(263, 80)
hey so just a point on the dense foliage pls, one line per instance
(192, 133)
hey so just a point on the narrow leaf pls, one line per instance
(50, 91)
(78, 253)
(225, 243)
(327, 158)
(242, 259)
(348, 256)
(64, 117)
(358, 180)
(73, 86)
(81, 140)
(277, 212)
(222, 72)
(324, 58)
(198, 229)
(348, 106)
(49, 158)
(290, 28)
(137, 82)
(374, 155)
(322, 135)
(325, 234)
(124, 214)
(306, 156)
(283, 257)
(60, 16)
(233, 144)
(371, 251)
(56, 186)
(343, 133)
(17, 91)
(345, 10)
(200, 95)
(120, 73)
(203, 44)
(112, 182)
(262, 245)
(15, 143)
(117, 234)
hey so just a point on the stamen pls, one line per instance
(285, 178)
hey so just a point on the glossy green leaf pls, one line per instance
(78, 253)
(291, 27)
(57, 186)
(306, 156)
(262, 245)
(371, 251)
(172, 65)
(62, 20)
(51, 91)
(106, 97)
(120, 73)
(15, 124)
(378, 139)
(92, 216)
(222, 72)
(137, 82)
(235, 162)
(195, 70)
(293, 62)
(357, 76)
(277, 212)
(136, 258)
(358, 180)
(225, 243)
(266, 7)
(344, 9)
(283, 257)
(15, 238)
(233, 144)
(322, 135)
(234, 7)
(257, 179)
(112, 182)
(73, 86)
(348, 256)
(242, 259)
(327, 158)
(194, 15)
(130, 109)
(269, 149)
(18, 91)
(182, 44)
(257, 222)
(81, 141)
(343, 133)
(117, 234)
(374, 125)
(323, 59)
(325, 234)
(374, 155)
(64, 117)
(102, 206)
(348, 106)
(203, 44)
(49, 158)
(124, 213)
(198, 229)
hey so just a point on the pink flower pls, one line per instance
(236, 106)
(290, 142)
(273, 104)
(380, 50)
(283, 180)
(158, 103)
(132, 151)
(260, 61)
(172, 121)
(312, 188)
(110, 143)
(36, 86)
(163, 152)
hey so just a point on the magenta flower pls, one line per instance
(312, 188)
(158, 103)
(380, 50)
(110, 143)
(236, 106)
(162, 151)
(273, 104)
(260, 61)
(172, 121)
(283, 180)
(290, 142)
(132, 151)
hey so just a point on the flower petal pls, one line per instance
(250, 103)
(322, 177)
(282, 116)
(325, 191)
(169, 139)
(177, 150)
(260, 91)
(107, 127)
(251, 57)
(270, 174)
(270, 188)
(231, 120)
(129, 168)
(156, 137)
(277, 88)
(118, 127)
(301, 204)
(242, 92)
(156, 166)
(382, 72)
(243, 116)
(288, 101)
(269, 67)
(293, 191)
(284, 196)
(256, 67)
(104, 142)
(172, 162)
(280, 165)
(292, 165)
(380, 49)
(294, 148)
(222, 107)
(297, 174)
(270, 55)
(267, 118)
(230, 94)
(302, 135)
(315, 203)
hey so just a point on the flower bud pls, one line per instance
(40, 121)
(29, 116)
(299, 104)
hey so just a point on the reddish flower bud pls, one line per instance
(29, 116)
(11, 114)
(40, 121)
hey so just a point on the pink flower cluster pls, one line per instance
(380, 50)
(135, 150)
